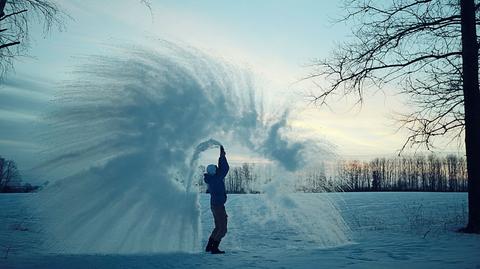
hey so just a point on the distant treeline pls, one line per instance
(408, 173)
(415, 173)
(241, 179)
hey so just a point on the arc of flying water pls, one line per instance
(203, 146)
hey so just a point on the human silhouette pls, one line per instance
(215, 179)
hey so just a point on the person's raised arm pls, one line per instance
(223, 166)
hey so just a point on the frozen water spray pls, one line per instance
(204, 146)
(125, 136)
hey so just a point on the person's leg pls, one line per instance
(220, 216)
(223, 221)
(214, 233)
(217, 219)
(210, 244)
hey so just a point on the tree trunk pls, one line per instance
(2, 7)
(472, 113)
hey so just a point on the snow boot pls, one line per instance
(215, 249)
(209, 245)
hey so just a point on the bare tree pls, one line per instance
(471, 95)
(8, 173)
(428, 50)
(16, 16)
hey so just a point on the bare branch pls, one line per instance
(412, 45)
(12, 14)
(9, 44)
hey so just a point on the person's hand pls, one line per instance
(222, 151)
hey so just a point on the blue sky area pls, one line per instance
(276, 39)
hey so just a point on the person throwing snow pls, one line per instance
(215, 179)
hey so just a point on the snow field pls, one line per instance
(387, 230)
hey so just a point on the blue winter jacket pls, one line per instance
(216, 182)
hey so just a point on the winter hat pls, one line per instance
(211, 169)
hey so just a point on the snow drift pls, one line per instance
(123, 145)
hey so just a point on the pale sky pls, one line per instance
(276, 39)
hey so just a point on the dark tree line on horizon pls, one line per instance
(420, 173)
(415, 173)
(240, 179)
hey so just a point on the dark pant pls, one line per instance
(220, 217)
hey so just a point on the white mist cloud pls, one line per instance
(121, 138)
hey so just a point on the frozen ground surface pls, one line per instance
(389, 230)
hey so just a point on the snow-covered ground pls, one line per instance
(388, 230)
